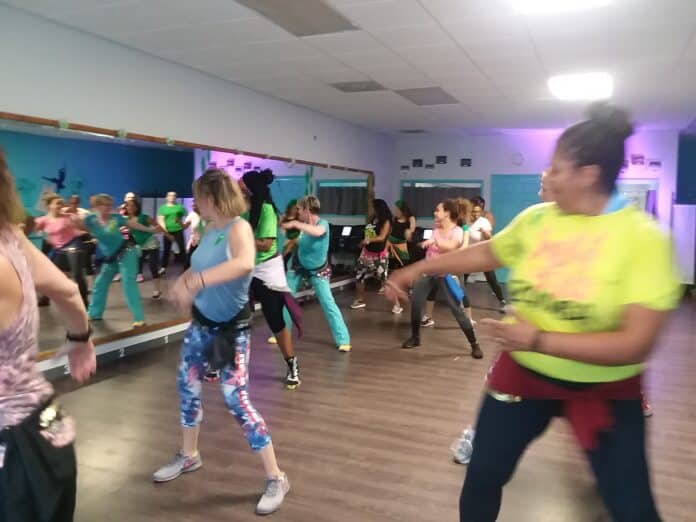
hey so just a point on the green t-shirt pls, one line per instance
(266, 228)
(172, 215)
(139, 236)
(576, 273)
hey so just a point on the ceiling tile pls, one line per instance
(387, 14)
(421, 35)
(397, 76)
(212, 35)
(346, 42)
(376, 57)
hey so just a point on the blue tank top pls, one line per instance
(222, 302)
(312, 250)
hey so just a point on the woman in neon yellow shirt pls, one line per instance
(592, 281)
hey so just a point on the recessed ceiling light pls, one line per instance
(540, 7)
(585, 86)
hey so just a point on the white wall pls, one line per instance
(527, 152)
(500, 153)
(53, 71)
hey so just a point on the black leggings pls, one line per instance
(152, 257)
(462, 282)
(74, 260)
(421, 289)
(166, 252)
(492, 281)
(272, 303)
(503, 432)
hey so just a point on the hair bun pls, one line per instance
(267, 176)
(615, 119)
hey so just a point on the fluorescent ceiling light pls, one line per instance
(540, 7)
(586, 86)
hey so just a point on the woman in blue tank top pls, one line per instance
(216, 291)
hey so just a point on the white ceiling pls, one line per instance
(494, 61)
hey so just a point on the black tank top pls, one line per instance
(376, 246)
(399, 229)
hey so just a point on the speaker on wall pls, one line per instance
(686, 170)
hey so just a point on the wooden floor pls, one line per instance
(365, 438)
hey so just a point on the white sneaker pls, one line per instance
(273, 494)
(357, 304)
(397, 309)
(272, 340)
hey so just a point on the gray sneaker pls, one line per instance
(273, 495)
(180, 464)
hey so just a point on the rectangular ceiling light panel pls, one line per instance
(301, 17)
(425, 96)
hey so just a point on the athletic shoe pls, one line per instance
(272, 340)
(116, 278)
(427, 322)
(397, 309)
(273, 494)
(156, 294)
(476, 352)
(503, 307)
(292, 378)
(411, 342)
(357, 304)
(212, 376)
(139, 278)
(180, 464)
(138, 324)
(344, 347)
(162, 271)
(647, 408)
(381, 290)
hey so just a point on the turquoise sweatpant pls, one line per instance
(127, 266)
(333, 315)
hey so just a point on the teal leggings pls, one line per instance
(127, 266)
(333, 315)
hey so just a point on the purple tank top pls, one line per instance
(22, 386)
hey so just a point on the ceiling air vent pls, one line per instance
(363, 86)
(301, 17)
(425, 96)
(412, 131)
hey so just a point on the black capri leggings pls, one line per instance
(272, 303)
(503, 432)
(167, 249)
(152, 257)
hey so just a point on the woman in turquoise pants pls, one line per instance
(120, 256)
(310, 262)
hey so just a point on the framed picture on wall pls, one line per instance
(465, 162)
(441, 160)
(417, 163)
(247, 165)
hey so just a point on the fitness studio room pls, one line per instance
(348, 260)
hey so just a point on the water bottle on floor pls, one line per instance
(463, 447)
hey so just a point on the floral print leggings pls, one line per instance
(234, 381)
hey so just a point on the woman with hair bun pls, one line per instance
(269, 285)
(592, 281)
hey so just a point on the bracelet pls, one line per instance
(535, 345)
(80, 338)
(200, 274)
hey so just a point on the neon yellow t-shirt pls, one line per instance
(575, 274)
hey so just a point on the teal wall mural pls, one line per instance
(76, 166)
